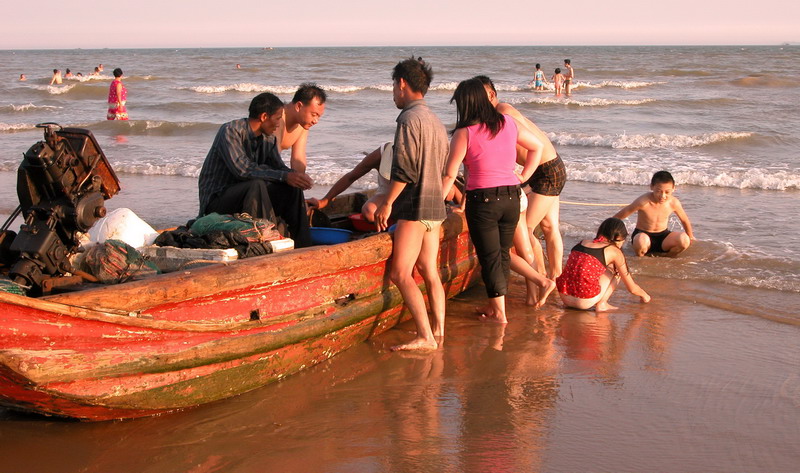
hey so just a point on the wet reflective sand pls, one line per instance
(673, 386)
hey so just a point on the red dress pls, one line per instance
(581, 275)
(116, 105)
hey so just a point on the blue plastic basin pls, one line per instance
(329, 236)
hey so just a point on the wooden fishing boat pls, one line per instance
(186, 337)
(190, 337)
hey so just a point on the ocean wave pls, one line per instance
(55, 89)
(592, 102)
(152, 127)
(249, 87)
(765, 80)
(14, 127)
(625, 141)
(617, 83)
(27, 107)
(712, 177)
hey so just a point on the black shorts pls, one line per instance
(656, 239)
(549, 178)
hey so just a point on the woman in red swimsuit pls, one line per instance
(594, 268)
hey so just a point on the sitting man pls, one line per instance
(243, 172)
(304, 111)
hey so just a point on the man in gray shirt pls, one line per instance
(415, 200)
(243, 172)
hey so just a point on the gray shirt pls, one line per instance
(237, 155)
(420, 152)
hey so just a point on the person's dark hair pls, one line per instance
(473, 107)
(118, 72)
(538, 66)
(662, 177)
(416, 72)
(612, 229)
(558, 70)
(68, 71)
(55, 70)
(486, 81)
(264, 103)
(309, 91)
(566, 61)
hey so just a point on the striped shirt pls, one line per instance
(420, 151)
(238, 155)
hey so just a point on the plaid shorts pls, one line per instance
(549, 178)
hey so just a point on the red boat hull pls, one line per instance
(184, 339)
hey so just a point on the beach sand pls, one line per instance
(672, 386)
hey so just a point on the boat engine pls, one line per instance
(62, 185)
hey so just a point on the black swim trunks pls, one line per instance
(549, 178)
(656, 239)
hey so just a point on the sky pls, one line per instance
(63, 24)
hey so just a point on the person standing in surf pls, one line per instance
(117, 97)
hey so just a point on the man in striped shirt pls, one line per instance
(243, 172)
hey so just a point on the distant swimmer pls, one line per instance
(539, 79)
(96, 72)
(99, 68)
(652, 235)
(56, 77)
(22, 77)
(569, 77)
(238, 66)
(68, 74)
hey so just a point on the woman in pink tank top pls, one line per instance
(485, 142)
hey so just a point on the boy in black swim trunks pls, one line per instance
(651, 235)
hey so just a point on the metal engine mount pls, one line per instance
(62, 185)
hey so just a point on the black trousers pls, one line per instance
(268, 200)
(492, 215)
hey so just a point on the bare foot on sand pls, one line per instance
(493, 318)
(551, 285)
(417, 344)
(604, 307)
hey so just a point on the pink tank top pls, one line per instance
(491, 162)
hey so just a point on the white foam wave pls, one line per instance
(625, 141)
(592, 102)
(242, 87)
(617, 83)
(55, 89)
(16, 127)
(28, 106)
(745, 179)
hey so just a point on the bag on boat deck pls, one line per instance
(115, 261)
(255, 230)
(248, 236)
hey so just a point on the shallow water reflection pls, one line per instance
(669, 386)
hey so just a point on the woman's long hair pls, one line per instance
(473, 107)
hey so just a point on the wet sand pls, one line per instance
(680, 384)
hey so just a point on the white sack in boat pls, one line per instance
(122, 224)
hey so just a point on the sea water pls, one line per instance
(722, 120)
(702, 378)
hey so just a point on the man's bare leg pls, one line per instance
(408, 238)
(428, 268)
